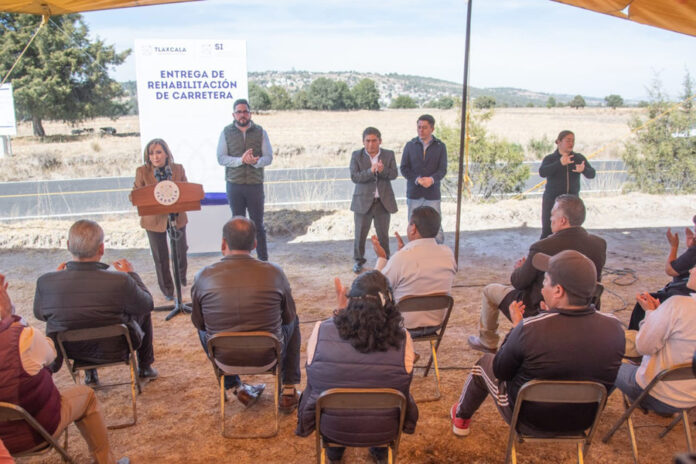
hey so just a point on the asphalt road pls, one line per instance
(322, 187)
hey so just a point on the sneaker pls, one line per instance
(289, 400)
(476, 343)
(460, 426)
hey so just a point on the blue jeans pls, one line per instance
(289, 355)
(626, 382)
(413, 203)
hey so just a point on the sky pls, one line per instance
(537, 45)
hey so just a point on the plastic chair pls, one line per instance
(254, 350)
(675, 373)
(100, 333)
(11, 412)
(556, 391)
(431, 302)
(360, 399)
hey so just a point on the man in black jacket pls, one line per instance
(567, 217)
(570, 340)
(84, 293)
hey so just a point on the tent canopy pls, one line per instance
(674, 15)
(57, 7)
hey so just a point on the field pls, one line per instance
(178, 414)
(300, 138)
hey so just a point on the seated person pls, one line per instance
(569, 340)
(240, 293)
(420, 267)
(364, 346)
(27, 383)
(84, 294)
(567, 217)
(675, 267)
(667, 337)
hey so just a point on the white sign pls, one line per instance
(185, 93)
(8, 124)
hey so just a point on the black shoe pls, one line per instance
(249, 394)
(357, 268)
(148, 372)
(91, 377)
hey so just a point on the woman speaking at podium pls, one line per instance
(159, 165)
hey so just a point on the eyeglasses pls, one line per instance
(242, 112)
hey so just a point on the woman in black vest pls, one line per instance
(364, 345)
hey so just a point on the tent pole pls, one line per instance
(462, 139)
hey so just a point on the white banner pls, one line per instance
(185, 93)
(8, 124)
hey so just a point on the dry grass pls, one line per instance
(300, 138)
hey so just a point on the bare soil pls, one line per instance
(178, 414)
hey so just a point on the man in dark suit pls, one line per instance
(567, 216)
(372, 170)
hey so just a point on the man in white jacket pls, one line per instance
(667, 337)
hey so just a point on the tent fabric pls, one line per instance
(57, 7)
(673, 15)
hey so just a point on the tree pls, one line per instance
(551, 102)
(577, 102)
(613, 101)
(258, 97)
(497, 166)
(325, 94)
(484, 102)
(345, 97)
(366, 95)
(300, 101)
(444, 103)
(403, 101)
(662, 157)
(63, 74)
(280, 98)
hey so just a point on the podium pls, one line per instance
(171, 198)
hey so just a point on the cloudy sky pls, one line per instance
(532, 44)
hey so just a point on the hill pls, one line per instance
(422, 89)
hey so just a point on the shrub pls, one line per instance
(540, 147)
(403, 101)
(496, 166)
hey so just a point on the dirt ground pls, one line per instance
(178, 414)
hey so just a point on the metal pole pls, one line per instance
(462, 139)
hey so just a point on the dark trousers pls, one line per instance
(160, 254)
(547, 202)
(362, 227)
(479, 384)
(251, 198)
(111, 351)
(289, 355)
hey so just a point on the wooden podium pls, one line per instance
(168, 197)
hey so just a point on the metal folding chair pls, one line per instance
(95, 334)
(11, 412)
(556, 391)
(256, 347)
(675, 373)
(437, 301)
(358, 399)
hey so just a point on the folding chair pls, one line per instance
(100, 333)
(254, 349)
(556, 391)
(10, 412)
(429, 303)
(360, 399)
(679, 372)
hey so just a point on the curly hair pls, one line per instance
(371, 321)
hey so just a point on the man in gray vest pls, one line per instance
(244, 149)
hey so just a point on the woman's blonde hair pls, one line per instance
(165, 147)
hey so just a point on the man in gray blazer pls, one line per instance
(372, 170)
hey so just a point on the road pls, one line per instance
(321, 187)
